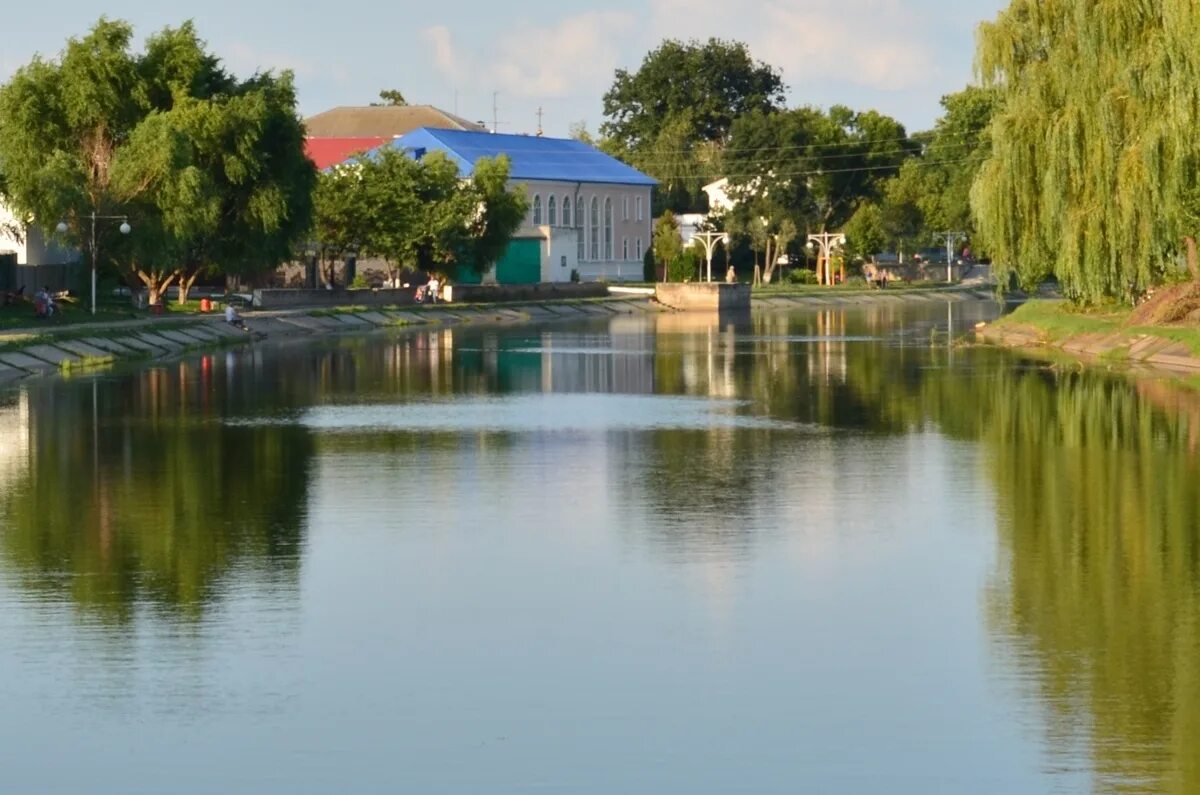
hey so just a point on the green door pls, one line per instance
(521, 263)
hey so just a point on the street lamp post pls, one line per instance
(827, 242)
(125, 229)
(710, 241)
(950, 238)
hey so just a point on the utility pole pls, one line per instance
(495, 112)
(951, 238)
(539, 115)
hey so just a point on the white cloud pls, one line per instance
(243, 59)
(873, 44)
(578, 54)
(457, 68)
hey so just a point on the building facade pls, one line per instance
(589, 213)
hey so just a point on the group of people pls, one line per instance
(44, 303)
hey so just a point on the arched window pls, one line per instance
(567, 211)
(640, 255)
(537, 210)
(625, 209)
(552, 211)
(594, 230)
(608, 230)
(581, 255)
(625, 249)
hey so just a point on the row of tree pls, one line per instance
(699, 112)
(211, 171)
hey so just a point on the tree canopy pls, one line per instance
(209, 169)
(1093, 174)
(673, 115)
(417, 213)
(710, 84)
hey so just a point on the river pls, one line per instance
(820, 551)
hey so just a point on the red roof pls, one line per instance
(326, 152)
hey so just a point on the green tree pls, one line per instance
(1094, 154)
(392, 98)
(668, 245)
(814, 166)
(211, 171)
(866, 234)
(497, 213)
(710, 83)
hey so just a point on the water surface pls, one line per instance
(824, 551)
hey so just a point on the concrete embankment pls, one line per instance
(1050, 328)
(76, 348)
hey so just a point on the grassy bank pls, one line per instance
(1110, 335)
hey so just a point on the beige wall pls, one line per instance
(624, 262)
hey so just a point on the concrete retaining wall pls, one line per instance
(499, 293)
(288, 299)
(704, 296)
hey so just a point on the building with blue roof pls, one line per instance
(589, 212)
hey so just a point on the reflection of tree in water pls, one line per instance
(160, 503)
(1099, 515)
(1098, 602)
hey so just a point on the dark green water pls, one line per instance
(811, 552)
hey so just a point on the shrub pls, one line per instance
(575, 275)
(802, 276)
(360, 283)
(649, 268)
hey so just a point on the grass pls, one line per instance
(1059, 321)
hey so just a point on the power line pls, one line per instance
(824, 172)
(846, 143)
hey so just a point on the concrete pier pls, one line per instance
(704, 296)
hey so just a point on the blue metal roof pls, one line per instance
(531, 158)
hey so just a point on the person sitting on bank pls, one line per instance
(232, 317)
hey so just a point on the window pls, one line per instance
(537, 210)
(594, 230)
(581, 253)
(552, 211)
(640, 255)
(639, 208)
(608, 229)
(567, 211)
(625, 211)
(625, 249)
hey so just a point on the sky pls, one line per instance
(896, 56)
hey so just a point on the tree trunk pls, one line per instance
(1193, 260)
(769, 263)
(186, 281)
(156, 283)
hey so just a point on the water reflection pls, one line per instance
(119, 492)
(710, 446)
(1097, 603)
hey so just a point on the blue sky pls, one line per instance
(897, 56)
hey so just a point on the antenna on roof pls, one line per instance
(539, 115)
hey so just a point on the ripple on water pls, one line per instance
(536, 413)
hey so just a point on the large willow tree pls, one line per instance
(1093, 174)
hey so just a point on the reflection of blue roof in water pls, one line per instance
(531, 158)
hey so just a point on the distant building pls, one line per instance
(341, 133)
(589, 212)
(383, 121)
(29, 257)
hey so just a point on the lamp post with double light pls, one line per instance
(827, 242)
(125, 229)
(710, 241)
